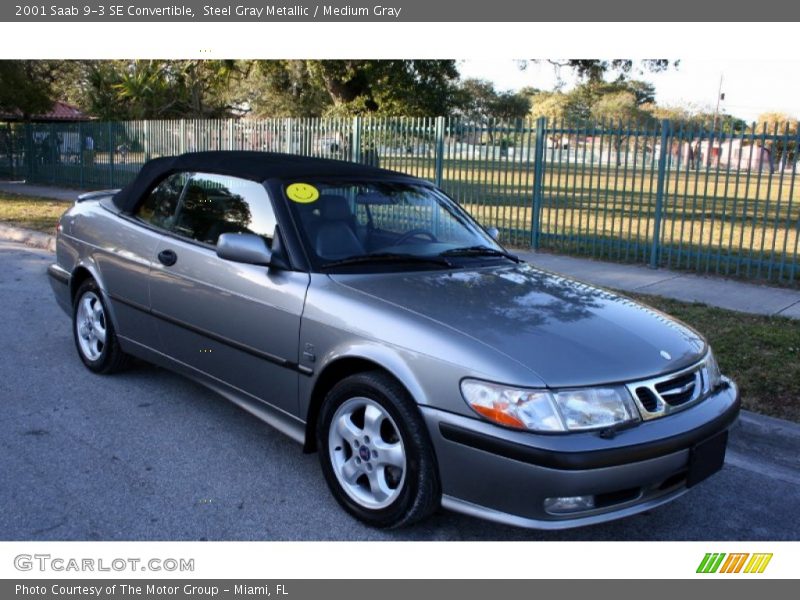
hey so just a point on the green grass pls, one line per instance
(761, 353)
(30, 212)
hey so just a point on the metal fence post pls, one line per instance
(662, 176)
(439, 151)
(355, 150)
(80, 154)
(12, 161)
(10, 150)
(538, 174)
(51, 149)
(288, 144)
(231, 145)
(182, 136)
(146, 140)
(30, 151)
(111, 149)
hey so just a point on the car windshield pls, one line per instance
(384, 225)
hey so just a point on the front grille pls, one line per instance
(647, 398)
(661, 396)
(679, 390)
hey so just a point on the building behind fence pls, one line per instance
(660, 194)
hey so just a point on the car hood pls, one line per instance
(568, 333)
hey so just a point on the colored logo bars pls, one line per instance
(734, 563)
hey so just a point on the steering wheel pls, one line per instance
(414, 233)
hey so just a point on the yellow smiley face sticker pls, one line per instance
(304, 193)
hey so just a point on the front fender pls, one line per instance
(388, 358)
(429, 380)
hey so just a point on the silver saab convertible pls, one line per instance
(363, 313)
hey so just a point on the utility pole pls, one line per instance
(720, 96)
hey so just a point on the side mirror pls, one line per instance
(494, 232)
(244, 248)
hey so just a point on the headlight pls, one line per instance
(714, 374)
(525, 409)
(550, 411)
(592, 408)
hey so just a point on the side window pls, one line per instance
(217, 204)
(160, 206)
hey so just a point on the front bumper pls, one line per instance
(506, 475)
(59, 282)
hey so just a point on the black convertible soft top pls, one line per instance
(258, 166)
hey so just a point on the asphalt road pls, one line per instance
(148, 455)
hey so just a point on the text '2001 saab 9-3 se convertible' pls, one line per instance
(366, 315)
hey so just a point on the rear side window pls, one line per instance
(215, 204)
(160, 206)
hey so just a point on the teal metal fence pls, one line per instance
(663, 194)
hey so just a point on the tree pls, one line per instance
(284, 88)
(784, 128)
(161, 89)
(628, 96)
(25, 87)
(597, 70)
(776, 123)
(677, 115)
(622, 111)
(389, 87)
(596, 100)
(619, 107)
(692, 121)
(358, 87)
(554, 106)
(479, 101)
(620, 104)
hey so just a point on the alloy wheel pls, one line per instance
(367, 453)
(90, 324)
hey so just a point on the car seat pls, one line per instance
(335, 237)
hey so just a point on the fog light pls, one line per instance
(568, 504)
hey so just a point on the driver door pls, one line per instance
(236, 323)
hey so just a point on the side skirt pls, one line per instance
(280, 420)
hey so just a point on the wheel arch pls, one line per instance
(344, 366)
(78, 276)
(88, 270)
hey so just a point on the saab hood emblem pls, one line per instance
(666, 355)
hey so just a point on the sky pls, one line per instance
(751, 87)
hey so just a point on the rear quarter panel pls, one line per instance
(117, 252)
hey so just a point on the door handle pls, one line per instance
(167, 257)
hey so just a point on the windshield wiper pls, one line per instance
(480, 251)
(387, 257)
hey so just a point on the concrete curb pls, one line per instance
(766, 445)
(784, 433)
(22, 188)
(36, 239)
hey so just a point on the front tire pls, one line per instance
(95, 338)
(375, 452)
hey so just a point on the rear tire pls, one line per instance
(93, 332)
(375, 452)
